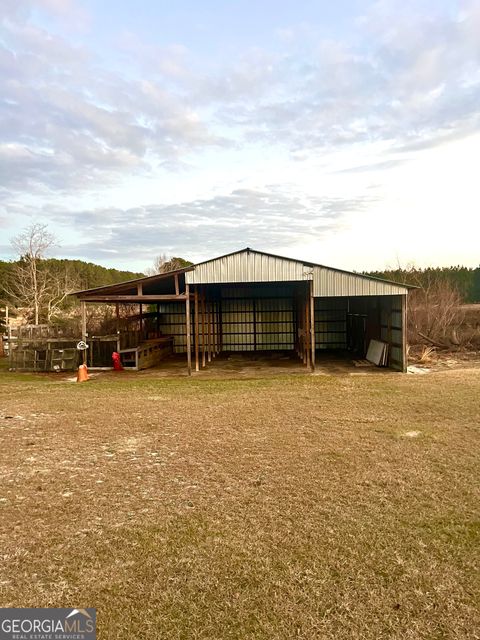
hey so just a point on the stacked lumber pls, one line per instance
(362, 363)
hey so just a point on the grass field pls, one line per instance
(307, 507)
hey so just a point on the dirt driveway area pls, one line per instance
(293, 506)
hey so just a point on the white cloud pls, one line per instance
(269, 218)
(346, 128)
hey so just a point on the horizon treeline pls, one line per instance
(87, 274)
(465, 279)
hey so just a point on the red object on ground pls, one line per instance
(117, 363)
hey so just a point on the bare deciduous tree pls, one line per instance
(32, 284)
(435, 312)
(60, 286)
(163, 264)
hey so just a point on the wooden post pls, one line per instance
(220, 327)
(307, 334)
(304, 329)
(298, 325)
(214, 329)
(404, 334)
(294, 326)
(217, 311)
(254, 306)
(188, 329)
(209, 330)
(10, 350)
(312, 325)
(389, 329)
(177, 289)
(203, 329)
(117, 325)
(83, 311)
(197, 346)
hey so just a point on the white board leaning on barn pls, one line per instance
(377, 352)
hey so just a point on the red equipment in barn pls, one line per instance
(117, 363)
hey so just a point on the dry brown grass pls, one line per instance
(426, 354)
(306, 507)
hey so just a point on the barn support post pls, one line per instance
(404, 335)
(220, 327)
(301, 315)
(312, 326)
(254, 324)
(388, 339)
(188, 329)
(197, 346)
(209, 329)
(83, 312)
(140, 307)
(307, 334)
(294, 326)
(203, 327)
(117, 324)
(214, 329)
(303, 330)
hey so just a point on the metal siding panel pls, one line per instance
(331, 323)
(397, 336)
(254, 267)
(397, 319)
(272, 318)
(248, 267)
(172, 322)
(396, 354)
(329, 282)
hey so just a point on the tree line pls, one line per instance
(465, 280)
(88, 275)
(38, 287)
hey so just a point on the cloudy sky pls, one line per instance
(346, 132)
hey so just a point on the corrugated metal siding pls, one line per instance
(391, 321)
(274, 324)
(172, 323)
(257, 320)
(331, 323)
(248, 267)
(328, 282)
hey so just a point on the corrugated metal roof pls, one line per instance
(331, 282)
(262, 253)
(128, 283)
(249, 265)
